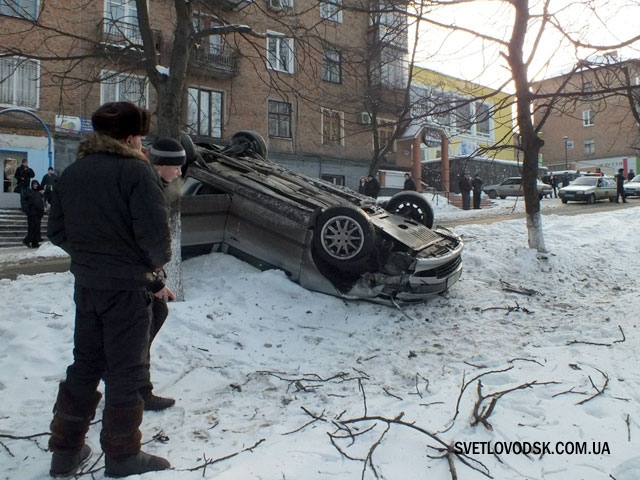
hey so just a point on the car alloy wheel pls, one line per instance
(343, 234)
(411, 205)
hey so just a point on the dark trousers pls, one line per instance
(160, 314)
(620, 193)
(476, 199)
(33, 229)
(466, 200)
(111, 342)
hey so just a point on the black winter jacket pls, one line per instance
(34, 203)
(109, 213)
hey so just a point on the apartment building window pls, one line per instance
(20, 85)
(279, 52)
(331, 10)
(27, 9)
(214, 44)
(121, 21)
(204, 114)
(332, 127)
(484, 122)
(463, 116)
(124, 87)
(393, 71)
(587, 118)
(587, 87)
(332, 66)
(589, 147)
(385, 133)
(335, 179)
(279, 119)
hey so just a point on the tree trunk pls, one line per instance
(530, 143)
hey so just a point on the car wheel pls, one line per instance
(343, 235)
(502, 197)
(252, 141)
(564, 200)
(411, 205)
(492, 194)
(611, 199)
(591, 199)
(189, 148)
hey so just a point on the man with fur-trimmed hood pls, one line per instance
(109, 213)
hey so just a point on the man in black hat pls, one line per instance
(620, 186)
(109, 213)
(167, 156)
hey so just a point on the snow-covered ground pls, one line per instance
(274, 382)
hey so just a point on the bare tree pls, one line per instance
(531, 25)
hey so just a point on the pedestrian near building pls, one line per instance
(409, 184)
(362, 185)
(631, 175)
(372, 188)
(109, 213)
(465, 190)
(34, 208)
(48, 184)
(23, 176)
(620, 186)
(476, 184)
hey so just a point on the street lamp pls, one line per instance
(566, 150)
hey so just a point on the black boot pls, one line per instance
(154, 403)
(120, 439)
(71, 419)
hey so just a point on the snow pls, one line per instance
(276, 382)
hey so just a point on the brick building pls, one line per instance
(594, 125)
(304, 77)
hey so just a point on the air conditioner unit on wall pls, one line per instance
(275, 5)
(364, 118)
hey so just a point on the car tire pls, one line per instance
(502, 197)
(564, 200)
(189, 148)
(254, 141)
(411, 205)
(591, 199)
(343, 237)
(492, 194)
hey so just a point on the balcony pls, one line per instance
(221, 64)
(123, 39)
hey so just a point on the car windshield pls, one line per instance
(585, 181)
(636, 179)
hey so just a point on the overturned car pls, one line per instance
(325, 237)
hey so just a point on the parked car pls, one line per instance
(325, 237)
(512, 186)
(632, 187)
(590, 189)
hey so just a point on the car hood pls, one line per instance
(577, 188)
(634, 185)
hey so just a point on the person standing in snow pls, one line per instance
(109, 213)
(167, 156)
(34, 208)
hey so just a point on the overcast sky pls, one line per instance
(472, 58)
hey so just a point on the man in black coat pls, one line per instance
(34, 206)
(372, 187)
(48, 184)
(620, 186)
(23, 176)
(476, 184)
(465, 190)
(409, 184)
(109, 213)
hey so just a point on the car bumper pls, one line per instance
(632, 193)
(573, 196)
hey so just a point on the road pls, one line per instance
(46, 265)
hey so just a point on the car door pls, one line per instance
(606, 189)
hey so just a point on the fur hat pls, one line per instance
(166, 151)
(121, 119)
